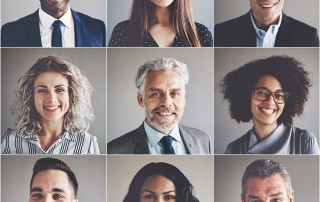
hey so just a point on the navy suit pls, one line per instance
(239, 32)
(25, 32)
(136, 142)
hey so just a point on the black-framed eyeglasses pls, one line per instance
(261, 94)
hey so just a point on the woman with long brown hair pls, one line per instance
(161, 23)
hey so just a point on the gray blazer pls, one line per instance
(135, 142)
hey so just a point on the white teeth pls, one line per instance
(165, 113)
(268, 111)
(51, 108)
(266, 5)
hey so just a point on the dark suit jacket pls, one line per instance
(25, 32)
(239, 32)
(135, 142)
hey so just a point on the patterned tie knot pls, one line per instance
(167, 144)
(57, 24)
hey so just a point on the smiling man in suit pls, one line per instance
(161, 85)
(55, 24)
(265, 25)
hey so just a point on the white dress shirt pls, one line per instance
(67, 28)
(155, 136)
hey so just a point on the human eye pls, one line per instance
(36, 196)
(261, 92)
(58, 196)
(60, 90)
(155, 94)
(276, 200)
(169, 198)
(149, 197)
(175, 93)
(42, 90)
(279, 96)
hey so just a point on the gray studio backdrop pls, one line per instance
(124, 113)
(90, 171)
(13, 10)
(92, 63)
(198, 169)
(303, 170)
(226, 59)
(307, 12)
(119, 11)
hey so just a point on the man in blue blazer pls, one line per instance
(35, 30)
(265, 25)
(161, 83)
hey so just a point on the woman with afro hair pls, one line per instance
(270, 92)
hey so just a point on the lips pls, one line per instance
(267, 111)
(267, 5)
(51, 108)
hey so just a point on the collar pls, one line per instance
(65, 135)
(155, 136)
(47, 20)
(273, 28)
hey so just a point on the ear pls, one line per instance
(291, 198)
(140, 99)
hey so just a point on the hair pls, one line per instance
(80, 112)
(183, 187)
(161, 64)
(237, 86)
(143, 12)
(45, 164)
(263, 168)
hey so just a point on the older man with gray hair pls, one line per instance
(161, 85)
(266, 180)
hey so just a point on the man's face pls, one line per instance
(163, 100)
(52, 185)
(54, 7)
(269, 189)
(266, 12)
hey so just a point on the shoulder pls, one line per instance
(297, 24)
(119, 36)
(237, 146)
(233, 23)
(205, 35)
(20, 22)
(86, 18)
(194, 132)
(306, 141)
(124, 25)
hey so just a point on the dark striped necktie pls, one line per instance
(56, 40)
(167, 144)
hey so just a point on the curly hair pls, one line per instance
(183, 187)
(237, 86)
(80, 112)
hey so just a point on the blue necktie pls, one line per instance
(56, 40)
(167, 144)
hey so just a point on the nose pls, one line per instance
(51, 96)
(48, 198)
(270, 99)
(166, 100)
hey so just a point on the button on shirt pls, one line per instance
(67, 29)
(155, 136)
(266, 39)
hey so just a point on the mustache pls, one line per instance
(162, 109)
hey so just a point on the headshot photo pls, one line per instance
(269, 99)
(53, 178)
(160, 178)
(160, 23)
(53, 101)
(272, 23)
(160, 101)
(53, 23)
(266, 178)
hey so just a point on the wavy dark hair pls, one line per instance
(142, 14)
(237, 86)
(183, 187)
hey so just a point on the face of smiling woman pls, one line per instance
(265, 113)
(266, 12)
(51, 97)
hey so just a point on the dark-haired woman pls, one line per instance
(270, 92)
(160, 182)
(161, 23)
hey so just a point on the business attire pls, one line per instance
(120, 37)
(240, 32)
(25, 32)
(67, 143)
(136, 142)
(285, 139)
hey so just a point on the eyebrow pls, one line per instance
(166, 192)
(38, 189)
(264, 88)
(56, 86)
(158, 89)
(277, 194)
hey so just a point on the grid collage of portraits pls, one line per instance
(98, 96)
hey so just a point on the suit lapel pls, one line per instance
(79, 30)
(281, 35)
(140, 140)
(32, 31)
(188, 141)
(249, 35)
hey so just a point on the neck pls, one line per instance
(162, 16)
(262, 131)
(264, 25)
(57, 14)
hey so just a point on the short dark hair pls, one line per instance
(237, 86)
(263, 168)
(44, 164)
(183, 187)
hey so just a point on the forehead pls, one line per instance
(158, 183)
(268, 81)
(258, 186)
(164, 78)
(50, 179)
(51, 77)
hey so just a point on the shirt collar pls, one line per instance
(155, 136)
(273, 28)
(47, 20)
(64, 135)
